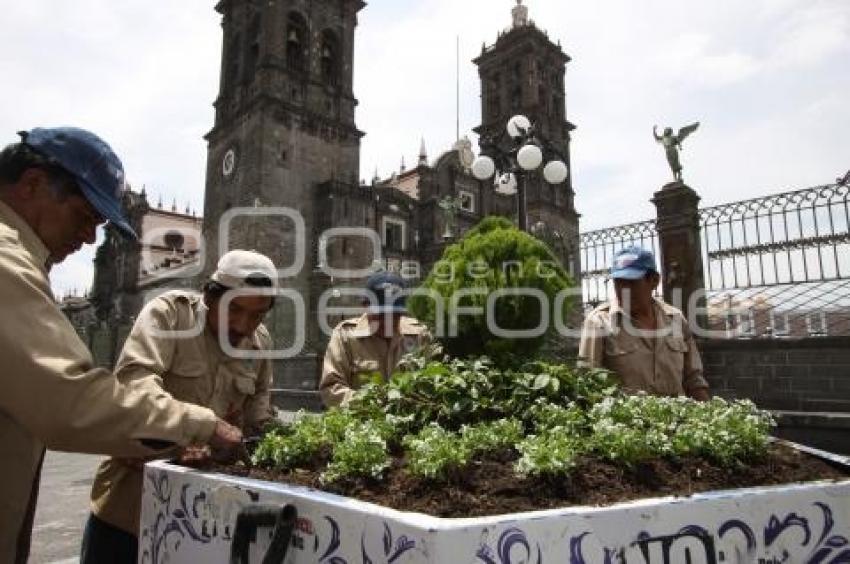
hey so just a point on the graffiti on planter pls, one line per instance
(511, 541)
(195, 517)
(393, 548)
(330, 556)
(696, 544)
(170, 525)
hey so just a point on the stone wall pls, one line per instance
(786, 374)
(806, 382)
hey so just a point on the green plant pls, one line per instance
(434, 452)
(469, 391)
(635, 428)
(497, 435)
(361, 452)
(446, 414)
(553, 452)
(493, 257)
(572, 420)
(304, 440)
(723, 431)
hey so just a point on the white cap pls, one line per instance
(235, 267)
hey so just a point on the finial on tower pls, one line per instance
(423, 154)
(520, 14)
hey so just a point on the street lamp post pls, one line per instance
(525, 155)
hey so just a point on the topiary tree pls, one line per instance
(494, 256)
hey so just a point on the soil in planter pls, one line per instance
(490, 487)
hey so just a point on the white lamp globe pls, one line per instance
(555, 172)
(483, 167)
(517, 125)
(529, 157)
(507, 184)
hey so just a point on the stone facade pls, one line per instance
(127, 273)
(285, 137)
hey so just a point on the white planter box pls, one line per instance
(189, 517)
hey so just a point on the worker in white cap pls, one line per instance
(178, 343)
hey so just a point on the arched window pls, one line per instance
(252, 51)
(296, 43)
(233, 63)
(516, 97)
(329, 57)
(174, 240)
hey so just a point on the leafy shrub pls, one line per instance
(493, 256)
(446, 414)
(303, 440)
(468, 391)
(361, 452)
(553, 452)
(434, 452)
(495, 436)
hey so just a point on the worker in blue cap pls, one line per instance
(373, 343)
(644, 341)
(56, 186)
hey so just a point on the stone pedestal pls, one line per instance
(680, 244)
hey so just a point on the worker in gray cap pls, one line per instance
(644, 341)
(56, 186)
(179, 344)
(372, 343)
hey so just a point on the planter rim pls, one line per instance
(454, 523)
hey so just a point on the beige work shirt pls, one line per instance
(667, 364)
(354, 354)
(191, 367)
(52, 395)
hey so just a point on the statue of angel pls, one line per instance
(672, 144)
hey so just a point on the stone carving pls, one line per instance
(450, 206)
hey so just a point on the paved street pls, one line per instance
(62, 507)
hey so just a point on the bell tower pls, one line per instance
(284, 124)
(524, 73)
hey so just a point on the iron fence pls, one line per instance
(779, 265)
(598, 248)
(774, 266)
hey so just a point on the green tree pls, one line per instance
(494, 256)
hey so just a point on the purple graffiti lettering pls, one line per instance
(775, 528)
(825, 549)
(737, 524)
(507, 540)
(667, 542)
(333, 545)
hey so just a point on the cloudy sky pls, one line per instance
(768, 79)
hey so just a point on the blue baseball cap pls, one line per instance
(632, 263)
(93, 163)
(389, 291)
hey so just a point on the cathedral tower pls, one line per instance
(524, 73)
(284, 124)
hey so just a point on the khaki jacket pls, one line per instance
(666, 365)
(191, 367)
(53, 396)
(354, 354)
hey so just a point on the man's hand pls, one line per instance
(701, 394)
(194, 455)
(226, 436)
